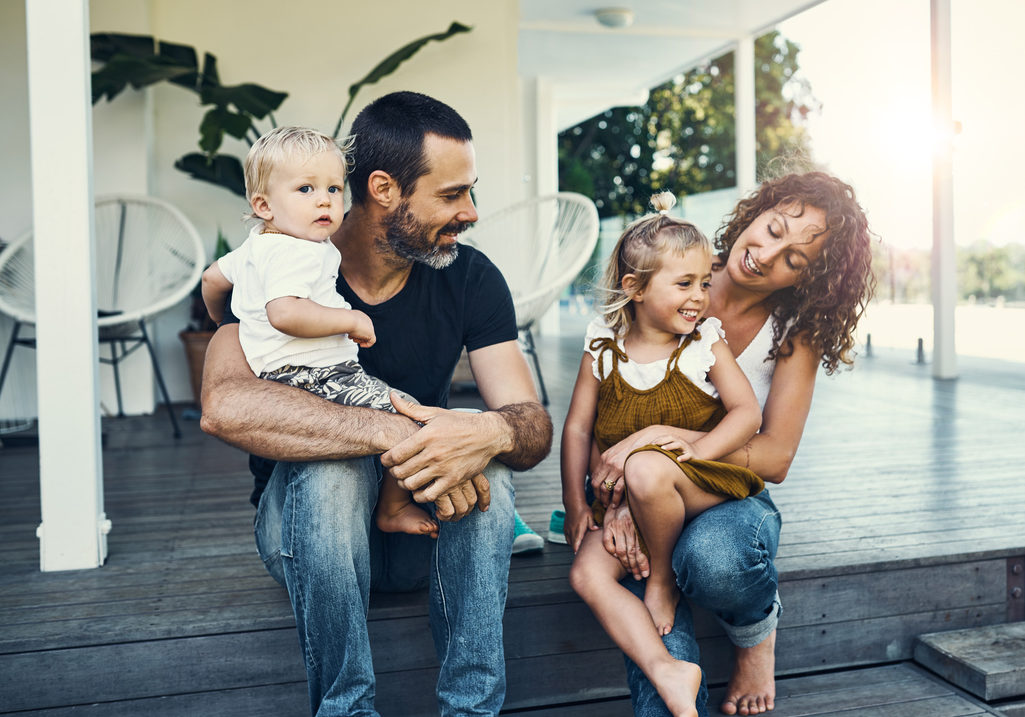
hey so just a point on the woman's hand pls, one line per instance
(578, 524)
(621, 541)
(607, 475)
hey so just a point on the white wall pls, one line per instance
(312, 50)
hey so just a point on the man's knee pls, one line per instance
(327, 505)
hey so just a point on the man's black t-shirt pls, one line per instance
(422, 330)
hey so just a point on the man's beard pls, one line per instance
(410, 239)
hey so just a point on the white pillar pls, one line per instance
(744, 90)
(944, 262)
(73, 532)
(546, 166)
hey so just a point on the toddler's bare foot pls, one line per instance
(677, 683)
(752, 688)
(661, 602)
(405, 518)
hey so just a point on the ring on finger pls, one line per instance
(610, 485)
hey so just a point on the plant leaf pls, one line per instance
(391, 63)
(210, 76)
(218, 121)
(104, 45)
(183, 56)
(248, 98)
(123, 70)
(222, 170)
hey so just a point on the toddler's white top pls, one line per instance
(271, 266)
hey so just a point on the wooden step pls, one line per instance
(988, 661)
(902, 690)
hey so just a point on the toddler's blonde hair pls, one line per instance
(284, 144)
(639, 251)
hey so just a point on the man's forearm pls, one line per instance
(531, 433)
(283, 423)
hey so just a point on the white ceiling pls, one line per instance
(592, 67)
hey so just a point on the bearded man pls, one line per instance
(318, 464)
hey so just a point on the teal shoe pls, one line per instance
(526, 540)
(556, 527)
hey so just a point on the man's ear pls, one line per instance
(382, 188)
(630, 285)
(261, 207)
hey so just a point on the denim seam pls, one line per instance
(442, 600)
(311, 660)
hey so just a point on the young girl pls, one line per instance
(651, 360)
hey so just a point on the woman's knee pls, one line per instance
(721, 561)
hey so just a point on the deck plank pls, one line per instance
(896, 522)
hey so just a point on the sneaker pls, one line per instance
(526, 540)
(555, 527)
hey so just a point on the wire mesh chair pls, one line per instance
(148, 258)
(540, 245)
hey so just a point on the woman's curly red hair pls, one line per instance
(824, 306)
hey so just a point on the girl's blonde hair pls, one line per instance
(639, 251)
(285, 144)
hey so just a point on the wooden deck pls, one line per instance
(902, 516)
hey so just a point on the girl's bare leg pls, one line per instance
(397, 513)
(662, 498)
(595, 576)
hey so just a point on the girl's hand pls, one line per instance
(672, 443)
(620, 540)
(578, 524)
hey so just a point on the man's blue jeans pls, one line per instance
(724, 563)
(315, 533)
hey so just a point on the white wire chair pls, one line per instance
(540, 245)
(148, 258)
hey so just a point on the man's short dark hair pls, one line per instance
(389, 135)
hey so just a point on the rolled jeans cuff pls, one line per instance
(754, 634)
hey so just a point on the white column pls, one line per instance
(73, 531)
(744, 90)
(546, 167)
(944, 262)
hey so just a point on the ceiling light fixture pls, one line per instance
(615, 17)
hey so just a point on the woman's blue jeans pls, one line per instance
(723, 563)
(315, 533)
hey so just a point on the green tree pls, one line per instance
(683, 138)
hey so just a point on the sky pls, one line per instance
(868, 62)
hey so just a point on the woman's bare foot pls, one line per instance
(405, 518)
(752, 688)
(661, 602)
(678, 683)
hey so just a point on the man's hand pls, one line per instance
(443, 461)
(620, 540)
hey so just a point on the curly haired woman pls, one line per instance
(792, 279)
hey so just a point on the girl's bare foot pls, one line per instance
(661, 602)
(752, 688)
(405, 518)
(678, 683)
